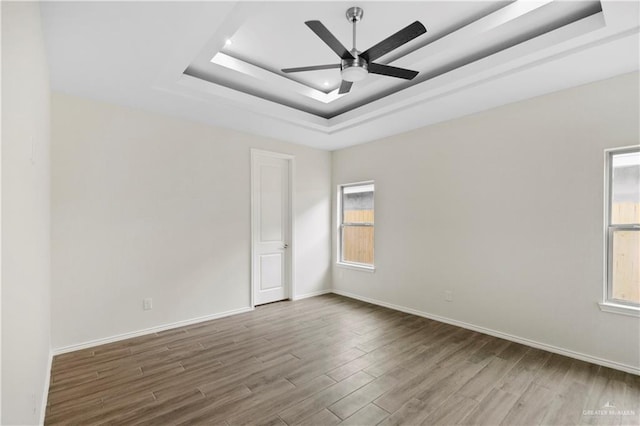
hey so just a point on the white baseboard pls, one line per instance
(312, 294)
(501, 335)
(45, 392)
(506, 336)
(123, 336)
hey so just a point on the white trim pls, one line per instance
(312, 294)
(605, 227)
(355, 266)
(616, 308)
(123, 336)
(45, 391)
(292, 167)
(338, 230)
(499, 334)
(362, 182)
(607, 305)
(292, 226)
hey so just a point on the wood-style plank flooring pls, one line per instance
(331, 360)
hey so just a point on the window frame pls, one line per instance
(609, 304)
(341, 224)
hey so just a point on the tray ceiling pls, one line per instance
(221, 62)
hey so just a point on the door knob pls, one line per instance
(285, 246)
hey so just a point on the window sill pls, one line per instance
(356, 267)
(619, 309)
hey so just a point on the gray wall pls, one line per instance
(144, 205)
(25, 215)
(505, 209)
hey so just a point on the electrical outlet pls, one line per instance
(448, 296)
(147, 304)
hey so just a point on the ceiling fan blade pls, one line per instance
(403, 36)
(392, 71)
(311, 68)
(330, 40)
(345, 86)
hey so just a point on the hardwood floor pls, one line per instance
(332, 360)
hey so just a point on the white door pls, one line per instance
(271, 226)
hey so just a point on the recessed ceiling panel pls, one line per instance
(220, 62)
(271, 36)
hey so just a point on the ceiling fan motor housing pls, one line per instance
(355, 69)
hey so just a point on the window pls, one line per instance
(623, 227)
(356, 224)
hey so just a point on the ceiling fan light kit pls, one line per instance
(353, 70)
(356, 65)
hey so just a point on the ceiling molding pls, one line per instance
(175, 60)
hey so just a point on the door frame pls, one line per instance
(290, 253)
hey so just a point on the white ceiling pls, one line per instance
(476, 55)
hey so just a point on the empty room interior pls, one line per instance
(320, 213)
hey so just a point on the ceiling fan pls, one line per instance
(356, 65)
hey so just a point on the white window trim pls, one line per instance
(356, 266)
(350, 265)
(608, 305)
(615, 308)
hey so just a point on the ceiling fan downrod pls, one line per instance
(354, 15)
